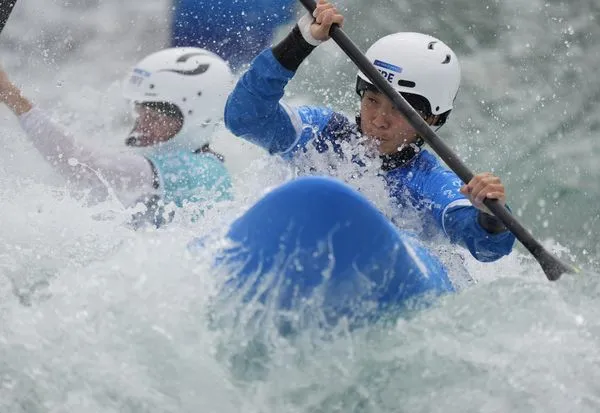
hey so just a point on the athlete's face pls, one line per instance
(152, 127)
(382, 123)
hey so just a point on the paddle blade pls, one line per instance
(552, 266)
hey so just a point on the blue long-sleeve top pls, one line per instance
(255, 112)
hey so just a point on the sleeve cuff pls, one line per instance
(490, 223)
(292, 50)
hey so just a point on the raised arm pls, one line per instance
(129, 175)
(254, 110)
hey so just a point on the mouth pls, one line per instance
(132, 141)
(136, 139)
(378, 140)
(371, 137)
(375, 138)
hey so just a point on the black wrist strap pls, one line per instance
(292, 50)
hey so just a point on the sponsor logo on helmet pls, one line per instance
(388, 66)
(136, 80)
(141, 72)
(185, 57)
(201, 68)
(387, 70)
(138, 75)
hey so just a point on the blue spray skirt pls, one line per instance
(236, 30)
(316, 243)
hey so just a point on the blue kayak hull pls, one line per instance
(317, 244)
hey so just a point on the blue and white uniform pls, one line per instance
(255, 112)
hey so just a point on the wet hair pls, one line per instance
(418, 102)
(165, 108)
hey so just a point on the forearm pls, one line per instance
(292, 50)
(14, 99)
(54, 143)
(254, 109)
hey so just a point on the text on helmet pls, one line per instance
(387, 70)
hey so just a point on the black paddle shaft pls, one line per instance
(6, 7)
(552, 266)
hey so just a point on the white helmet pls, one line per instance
(195, 80)
(418, 64)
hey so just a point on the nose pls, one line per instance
(140, 124)
(380, 120)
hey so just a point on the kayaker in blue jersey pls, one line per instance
(179, 94)
(420, 67)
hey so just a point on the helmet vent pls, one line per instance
(446, 60)
(406, 83)
(430, 45)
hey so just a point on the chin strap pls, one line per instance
(404, 154)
